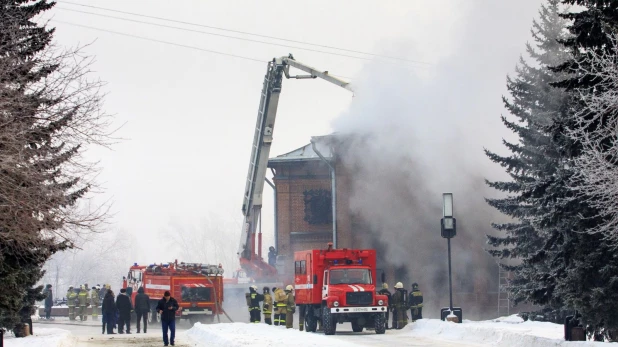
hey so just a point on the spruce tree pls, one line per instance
(48, 110)
(562, 265)
(533, 163)
(589, 274)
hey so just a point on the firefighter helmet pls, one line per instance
(70, 287)
(399, 285)
(289, 288)
(384, 286)
(265, 290)
(254, 287)
(415, 286)
(271, 248)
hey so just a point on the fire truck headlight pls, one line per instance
(380, 302)
(336, 303)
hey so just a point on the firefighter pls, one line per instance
(281, 302)
(416, 303)
(272, 256)
(94, 301)
(400, 307)
(82, 300)
(290, 307)
(71, 297)
(267, 306)
(385, 291)
(275, 307)
(255, 304)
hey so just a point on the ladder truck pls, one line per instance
(250, 256)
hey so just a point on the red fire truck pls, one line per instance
(339, 285)
(198, 288)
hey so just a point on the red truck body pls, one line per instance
(198, 288)
(339, 285)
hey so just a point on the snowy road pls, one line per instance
(509, 331)
(89, 334)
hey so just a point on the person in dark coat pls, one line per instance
(109, 311)
(167, 307)
(123, 303)
(49, 301)
(142, 307)
(272, 256)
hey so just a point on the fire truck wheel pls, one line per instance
(380, 323)
(193, 320)
(357, 328)
(311, 321)
(328, 321)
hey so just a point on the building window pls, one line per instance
(318, 206)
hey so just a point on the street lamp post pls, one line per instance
(448, 227)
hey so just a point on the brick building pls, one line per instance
(304, 179)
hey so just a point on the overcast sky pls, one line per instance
(190, 114)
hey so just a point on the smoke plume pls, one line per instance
(416, 135)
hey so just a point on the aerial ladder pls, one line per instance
(250, 260)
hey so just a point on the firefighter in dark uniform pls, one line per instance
(267, 306)
(416, 303)
(385, 291)
(255, 304)
(400, 307)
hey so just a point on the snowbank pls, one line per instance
(42, 337)
(509, 331)
(247, 334)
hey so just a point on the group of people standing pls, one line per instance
(400, 302)
(78, 299)
(117, 313)
(283, 306)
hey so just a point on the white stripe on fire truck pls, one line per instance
(354, 288)
(157, 286)
(303, 286)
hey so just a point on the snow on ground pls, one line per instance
(509, 331)
(42, 337)
(247, 334)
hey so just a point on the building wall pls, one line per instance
(294, 233)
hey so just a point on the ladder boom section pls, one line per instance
(260, 151)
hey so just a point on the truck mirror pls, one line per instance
(315, 279)
(383, 277)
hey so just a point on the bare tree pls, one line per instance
(213, 241)
(50, 112)
(596, 129)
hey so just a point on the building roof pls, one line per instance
(306, 153)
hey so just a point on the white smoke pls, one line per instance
(423, 135)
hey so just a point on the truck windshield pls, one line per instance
(350, 276)
(195, 294)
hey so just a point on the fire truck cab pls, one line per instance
(336, 286)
